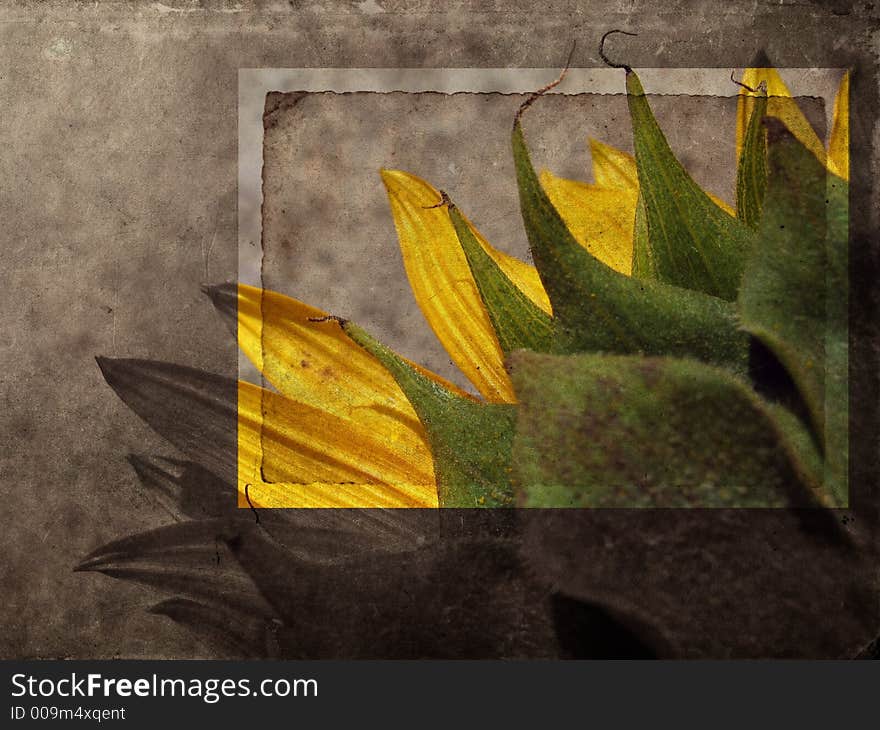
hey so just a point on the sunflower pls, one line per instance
(343, 429)
(667, 383)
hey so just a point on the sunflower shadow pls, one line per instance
(359, 583)
(328, 583)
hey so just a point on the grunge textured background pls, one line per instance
(118, 179)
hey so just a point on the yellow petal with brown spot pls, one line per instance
(315, 362)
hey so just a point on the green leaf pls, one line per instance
(794, 293)
(470, 440)
(751, 171)
(694, 243)
(518, 322)
(618, 431)
(598, 309)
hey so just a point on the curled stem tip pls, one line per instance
(535, 95)
(444, 201)
(761, 88)
(329, 318)
(605, 58)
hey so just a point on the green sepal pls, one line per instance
(794, 295)
(622, 431)
(694, 243)
(598, 309)
(470, 441)
(751, 171)
(518, 322)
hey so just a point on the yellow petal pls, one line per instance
(838, 142)
(324, 496)
(601, 219)
(294, 455)
(524, 275)
(613, 168)
(444, 288)
(721, 204)
(779, 104)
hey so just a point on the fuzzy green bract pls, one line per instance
(643, 266)
(518, 322)
(622, 431)
(751, 171)
(470, 441)
(794, 293)
(693, 243)
(598, 309)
